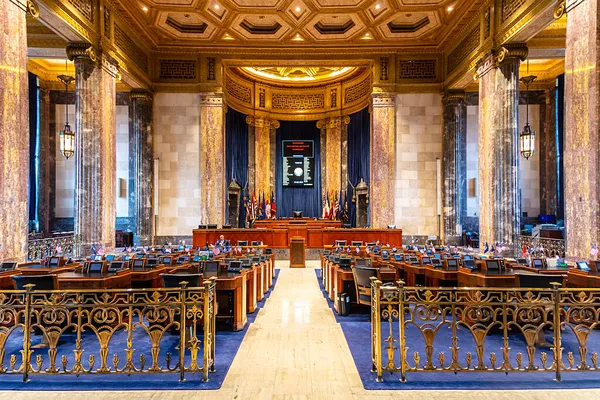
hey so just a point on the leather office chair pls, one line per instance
(174, 280)
(41, 282)
(362, 281)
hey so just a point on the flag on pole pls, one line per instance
(336, 206)
(273, 208)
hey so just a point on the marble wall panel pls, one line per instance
(123, 156)
(176, 118)
(419, 130)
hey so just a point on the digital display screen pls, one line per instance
(298, 163)
(582, 265)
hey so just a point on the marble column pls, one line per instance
(499, 199)
(14, 133)
(549, 158)
(264, 158)
(332, 129)
(141, 106)
(212, 159)
(454, 165)
(383, 157)
(95, 148)
(581, 148)
(45, 160)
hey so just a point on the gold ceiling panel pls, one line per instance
(298, 74)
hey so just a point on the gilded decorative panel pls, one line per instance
(128, 46)
(107, 22)
(177, 69)
(237, 91)
(464, 48)
(417, 69)
(384, 68)
(85, 8)
(298, 101)
(210, 74)
(509, 7)
(358, 91)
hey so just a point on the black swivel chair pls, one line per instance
(174, 280)
(362, 281)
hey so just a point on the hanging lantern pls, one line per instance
(527, 136)
(67, 141)
(67, 136)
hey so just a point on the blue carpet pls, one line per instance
(227, 344)
(357, 331)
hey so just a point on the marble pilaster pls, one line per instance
(454, 165)
(581, 140)
(212, 156)
(499, 203)
(141, 106)
(383, 157)
(548, 152)
(45, 161)
(95, 148)
(14, 133)
(264, 157)
(331, 129)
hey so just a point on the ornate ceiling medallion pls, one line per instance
(299, 73)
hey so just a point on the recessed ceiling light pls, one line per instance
(216, 6)
(144, 9)
(367, 34)
(450, 8)
(377, 6)
(298, 9)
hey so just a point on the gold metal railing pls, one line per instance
(404, 317)
(72, 323)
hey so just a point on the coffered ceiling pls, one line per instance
(220, 24)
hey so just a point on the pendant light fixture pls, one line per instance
(67, 136)
(527, 136)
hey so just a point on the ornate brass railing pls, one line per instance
(410, 318)
(541, 246)
(38, 249)
(70, 323)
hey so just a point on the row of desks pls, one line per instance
(341, 280)
(315, 237)
(245, 289)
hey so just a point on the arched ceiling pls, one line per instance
(299, 23)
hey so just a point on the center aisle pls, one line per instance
(295, 347)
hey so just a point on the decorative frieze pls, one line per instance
(84, 7)
(237, 91)
(298, 101)
(358, 91)
(464, 48)
(417, 69)
(509, 7)
(210, 68)
(384, 68)
(178, 69)
(124, 42)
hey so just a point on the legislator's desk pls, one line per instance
(234, 284)
(252, 296)
(148, 278)
(78, 280)
(7, 283)
(581, 279)
(509, 278)
(315, 237)
(439, 277)
(414, 275)
(6, 280)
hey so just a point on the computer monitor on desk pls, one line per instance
(95, 267)
(582, 265)
(340, 243)
(357, 243)
(54, 262)
(469, 264)
(452, 264)
(436, 262)
(116, 266)
(211, 267)
(139, 264)
(235, 267)
(242, 243)
(363, 262)
(539, 263)
(345, 262)
(425, 260)
(8, 266)
(493, 266)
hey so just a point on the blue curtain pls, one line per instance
(359, 155)
(307, 200)
(33, 146)
(236, 144)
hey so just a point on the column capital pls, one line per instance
(383, 99)
(510, 52)
(212, 99)
(454, 97)
(140, 95)
(82, 51)
(333, 122)
(261, 122)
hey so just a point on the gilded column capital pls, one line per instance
(82, 51)
(32, 9)
(212, 99)
(454, 97)
(383, 99)
(140, 95)
(260, 122)
(333, 122)
(514, 51)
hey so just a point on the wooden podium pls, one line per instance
(297, 253)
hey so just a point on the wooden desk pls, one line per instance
(438, 277)
(149, 278)
(236, 284)
(315, 237)
(77, 280)
(343, 282)
(6, 280)
(287, 222)
(414, 275)
(510, 279)
(252, 294)
(581, 279)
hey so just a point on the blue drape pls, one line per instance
(307, 200)
(236, 145)
(33, 146)
(359, 155)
